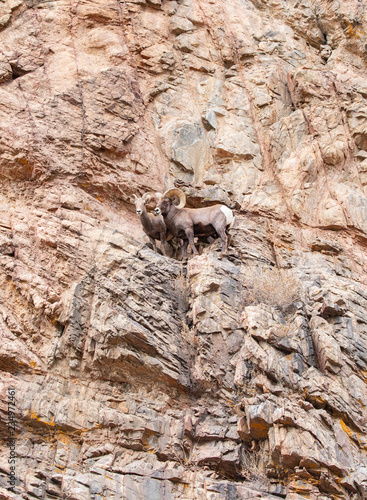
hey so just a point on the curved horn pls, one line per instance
(146, 197)
(180, 195)
(135, 197)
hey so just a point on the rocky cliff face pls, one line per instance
(137, 376)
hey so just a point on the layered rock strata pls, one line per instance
(138, 376)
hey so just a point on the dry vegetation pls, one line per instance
(255, 462)
(180, 285)
(189, 334)
(181, 289)
(275, 287)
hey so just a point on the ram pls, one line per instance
(186, 223)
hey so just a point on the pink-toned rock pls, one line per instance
(139, 376)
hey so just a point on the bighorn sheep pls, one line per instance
(187, 223)
(153, 226)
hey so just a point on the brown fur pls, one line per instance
(153, 225)
(186, 223)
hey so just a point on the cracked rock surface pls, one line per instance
(137, 376)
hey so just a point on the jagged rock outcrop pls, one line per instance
(138, 376)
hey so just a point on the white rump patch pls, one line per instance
(229, 215)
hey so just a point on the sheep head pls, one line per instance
(165, 200)
(141, 202)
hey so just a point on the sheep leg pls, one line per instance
(184, 244)
(152, 240)
(163, 241)
(190, 236)
(179, 249)
(173, 248)
(221, 231)
(229, 238)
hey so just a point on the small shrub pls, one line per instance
(180, 289)
(180, 285)
(255, 461)
(188, 334)
(275, 287)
